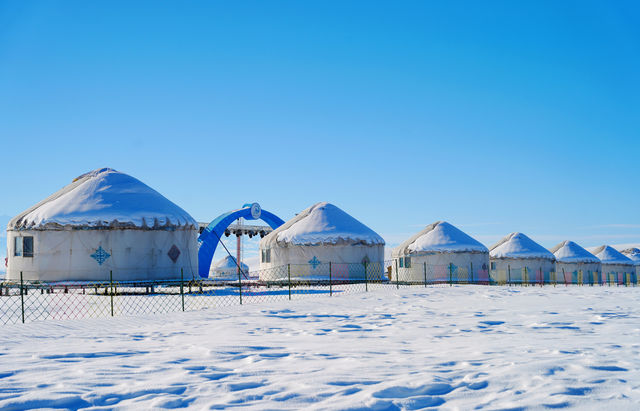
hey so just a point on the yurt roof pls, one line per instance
(228, 262)
(633, 254)
(518, 245)
(440, 237)
(570, 252)
(322, 223)
(104, 198)
(609, 255)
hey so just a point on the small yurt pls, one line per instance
(441, 253)
(322, 242)
(616, 267)
(227, 269)
(517, 259)
(103, 222)
(634, 255)
(575, 265)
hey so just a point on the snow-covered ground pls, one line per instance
(463, 347)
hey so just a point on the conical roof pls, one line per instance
(104, 198)
(570, 252)
(322, 223)
(633, 254)
(518, 245)
(227, 263)
(440, 237)
(609, 255)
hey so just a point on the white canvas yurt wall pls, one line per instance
(634, 255)
(319, 242)
(518, 259)
(441, 253)
(104, 221)
(616, 268)
(575, 265)
(227, 269)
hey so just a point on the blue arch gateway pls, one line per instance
(211, 235)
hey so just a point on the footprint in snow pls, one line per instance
(607, 368)
(404, 392)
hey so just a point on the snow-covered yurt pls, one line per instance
(104, 221)
(441, 253)
(322, 242)
(634, 255)
(575, 265)
(520, 260)
(227, 269)
(616, 267)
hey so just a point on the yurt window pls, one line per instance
(401, 262)
(266, 255)
(17, 246)
(27, 246)
(493, 265)
(23, 247)
(407, 262)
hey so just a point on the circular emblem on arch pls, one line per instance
(256, 211)
(210, 236)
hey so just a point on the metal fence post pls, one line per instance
(111, 288)
(330, 281)
(450, 274)
(22, 296)
(397, 276)
(366, 286)
(525, 279)
(471, 263)
(240, 285)
(425, 274)
(580, 277)
(509, 270)
(182, 287)
(289, 275)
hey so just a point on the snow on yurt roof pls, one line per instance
(570, 252)
(323, 223)
(440, 237)
(518, 245)
(104, 197)
(227, 263)
(633, 254)
(609, 255)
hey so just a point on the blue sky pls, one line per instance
(496, 116)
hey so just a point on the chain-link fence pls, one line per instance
(24, 300)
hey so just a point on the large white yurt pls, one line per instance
(441, 253)
(227, 269)
(616, 267)
(322, 242)
(575, 265)
(634, 255)
(520, 260)
(103, 222)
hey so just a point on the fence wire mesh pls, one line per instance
(23, 300)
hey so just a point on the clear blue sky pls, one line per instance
(496, 116)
